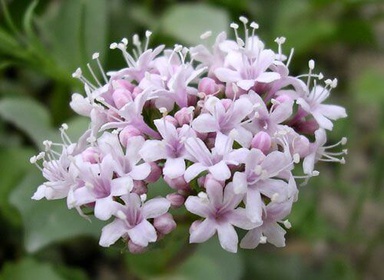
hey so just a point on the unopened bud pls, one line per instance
(262, 141)
(164, 223)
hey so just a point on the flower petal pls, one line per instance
(228, 237)
(203, 231)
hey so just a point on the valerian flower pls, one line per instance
(220, 132)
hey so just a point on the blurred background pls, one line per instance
(337, 224)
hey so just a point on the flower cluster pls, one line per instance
(223, 126)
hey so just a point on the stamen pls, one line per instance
(101, 69)
(143, 197)
(206, 35)
(203, 196)
(263, 239)
(287, 224)
(147, 36)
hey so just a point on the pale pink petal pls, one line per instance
(143, 233)
(153, 150)
(226, 75)
(104, 208)
(194, 170)
(275, 234)
(140, 171)
(112, 232)
(203, 231)
(198, 206)
(246, 84)
(121, 185)
(214, 192)
(268, 77)
(322, 121)
(155, 207)
(240, 182)
(332, 112)
(254, 206)
(228, 237)
(205, 123)
(174, 167)
(220, 171)
(239, 219)
(251, 239)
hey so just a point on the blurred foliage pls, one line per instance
(338, 225)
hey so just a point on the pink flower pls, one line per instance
(131, 221)
(219, 207)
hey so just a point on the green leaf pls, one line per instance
(29, 116)
(74, 30)
(47, 222)
(28, 269)
(186, 22)
(14, 163)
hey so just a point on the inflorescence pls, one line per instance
(224, 127)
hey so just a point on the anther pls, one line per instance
(287, 224)
(243, 19)
(263, 239)
(311, 64)
(143, 197)
(254, 25)
(205, 35)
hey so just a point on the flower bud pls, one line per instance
(90, 155)
(177, 183)
(184, 115)
(226, 103)
(121, 97)
(128, 132)
(208, 86)
(155, 173)
(139, 187)
(164, 224)
(171, 120)
(262, 141)
(134, 248)
(176, 200)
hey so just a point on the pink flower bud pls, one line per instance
(283, 98)
(128, 132)
(262, 141)
(176, 200)
(300, 145)
(208, 86)
(226, 103)
(124, 84)
(177, 183)
(90, 155)
(171, 120)
(134, 248)
(121, 97)
(184, 115)
(155, 173)
(136, 91)
(139, 187)
(164, 224)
